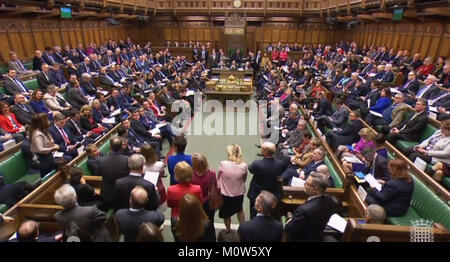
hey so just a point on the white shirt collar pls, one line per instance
(135, 174)
(312, 197)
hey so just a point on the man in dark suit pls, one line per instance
(412, 127)
(265, 175)
(63, 138)
(264, 227)
(93, 155)
(130, 220)
(324, 106)
(153, 140)
(347, 135)
(317, 160)
(87, 85)
(43, 78)
(73, 125)
(10, 194)
(84, 67)
(23, 111)
(57, 76)
(76, 96)
(38, 61)
(48, 56)
(106, 79)
(125, 185)
(309, 219)
(430, 90)
(111, 172)
(14, 85)
(411, 86)
(89, 218)
(337, 119)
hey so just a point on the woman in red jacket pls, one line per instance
(275, 55)
(8, 120)
(183, 174)
(283, 56)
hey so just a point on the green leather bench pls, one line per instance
(4, 69)
(15, 169)
(31, 84)
(402, 145)
(3, 208)
(29, 65)
(425, 204)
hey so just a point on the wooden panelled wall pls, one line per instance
(26, 35)
(429, 39)
(311, 33)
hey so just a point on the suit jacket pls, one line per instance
(92, 165)
(431, 93)
(351, 129)
(57, 77)
(129, 221)
(88, 87)
(15, 65)
(412, 86)
(265, 173)
(76, 98)
(381, 170)
(398, 114)
(324, 108)
(140, 129)
(413, 128)
(339, 117)
(312, 167)
(295, 138)
(89, 217)
(111, 172)
(10, 194)
(37, 63)
(309, 220)
(395, 196)
(106, 81)
(261, 229)
(83, 68)
(59, 139)
(43, 81)
(23, 113)
(11, 87)
(125, 185)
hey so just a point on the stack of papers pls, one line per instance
(352, 159)
(190, 93)
(155, 131)
(8, 144)
(110, 120)
(376, 113)
(115, 112)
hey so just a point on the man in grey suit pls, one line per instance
(88, 217)
(294, 140)
(14, 85)
(43, 77)
(337, 119)
(23, 111)
(15, 64)
(112, 167)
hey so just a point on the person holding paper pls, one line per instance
(434, 149)
(152, 164)
(67, 142)
(358, 150)
(396, 194)
(309, 219)
(42, 143)
(382, 104)
(124, 185)
(348, 134)
(303, 173)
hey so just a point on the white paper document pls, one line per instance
(110, 120)
(190, 93)
(297, 181)
(337, 222)
(58, 154)
(362, 193)
(151, 177)
(394, 90)
(8, 144)
(376, 113)
(419, 163)
(105, 93)
(433, 109)
(373, 182)
(80, 150)
(161, 125)
(115, 112)
(352, 159)
(155, 131)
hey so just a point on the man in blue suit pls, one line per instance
(63, 137)
(57, 76)
(265, 175)
(264, 227)
(318, 160)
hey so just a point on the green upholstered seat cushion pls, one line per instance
(402, 145)
(405, 220)
(29, 65)
(104, 148)
(446, 182)
(429, 131)
(4, 69)
(32, 84)
(3, 208)
(14, 167)
(336, 178)
(32, 179)
(84, 167)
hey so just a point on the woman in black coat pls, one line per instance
(396, 194)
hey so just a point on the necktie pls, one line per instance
(422, 91)
(13, 122)
(87, 68)
(107, 76)
(81, 91)
(64, 135)
(19, 85)
(109, 60)
(51, 59)
(76, 126)
(46, 76)
(25, 108)
(20, 65)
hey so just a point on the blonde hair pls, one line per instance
(199, 163)
(367, 134)
(183, 172)
(85, 108)
(234, 153)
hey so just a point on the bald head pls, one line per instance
(268, 149)
(28, 231)
(324, 170)
(138, 197)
